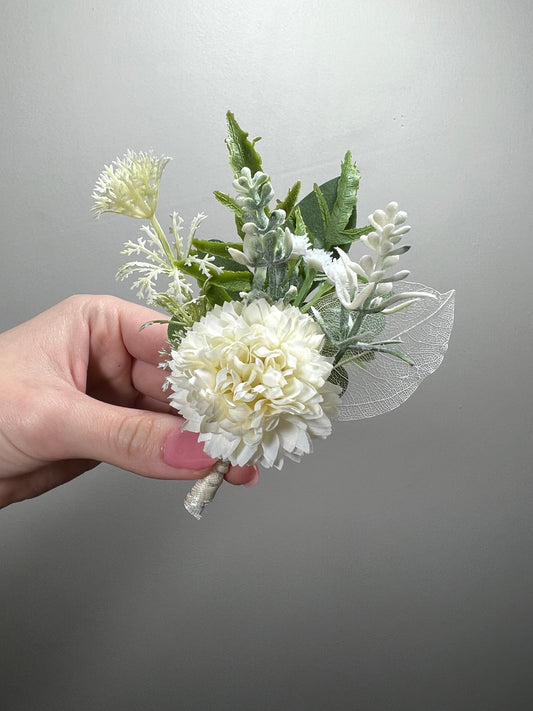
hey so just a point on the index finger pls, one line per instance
(143, 342)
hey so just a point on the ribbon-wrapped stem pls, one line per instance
(204, 490)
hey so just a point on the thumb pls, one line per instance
(149, 443)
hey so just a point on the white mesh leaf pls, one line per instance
(385, 381)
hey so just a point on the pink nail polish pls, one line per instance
(183, 451)
(255, 478)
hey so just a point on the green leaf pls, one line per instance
(352, 235)
(339, 376)
(395, 353)
(228, 201)
(355, 358)
(216, 247)
(241, 151)
(345, 201)
(328, 349)
(327, 328)
(373, 325)
(151, 323)
(231, 281)
(399, 250)
(367, 348)
(219, 250)
(215, 294)
(322, 205)
(299, 226)
(228, 265)
(175, 330)
(192, 270)
(289, 203)
(356, 232)
(311, 212)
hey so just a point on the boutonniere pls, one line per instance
(275, 335)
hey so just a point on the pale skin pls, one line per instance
(80, 385)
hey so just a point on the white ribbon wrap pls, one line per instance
(204, 490)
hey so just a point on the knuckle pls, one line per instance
(137, 436)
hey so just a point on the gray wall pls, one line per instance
(401, 577)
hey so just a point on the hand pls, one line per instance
(80, 385)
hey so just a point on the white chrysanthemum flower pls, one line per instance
(318, 259)
(250, 379)
(130, 185)
(300, 244)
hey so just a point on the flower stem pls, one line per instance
(324, 289)
(162, 239)
(305, 288)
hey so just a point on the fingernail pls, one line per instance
(255, 477)
(183, 451)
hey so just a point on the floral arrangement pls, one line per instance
(284, 331)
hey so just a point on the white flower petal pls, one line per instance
(300, 244)
(318, 259)
(250, 379)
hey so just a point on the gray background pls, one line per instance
(400, 575)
